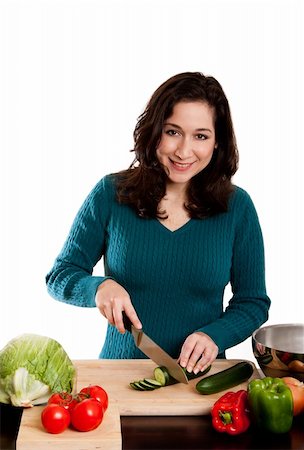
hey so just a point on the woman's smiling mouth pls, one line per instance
(180, 166)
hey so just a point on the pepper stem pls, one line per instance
(226, 417)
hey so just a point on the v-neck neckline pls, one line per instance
(174, 232)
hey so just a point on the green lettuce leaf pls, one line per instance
(32, 367)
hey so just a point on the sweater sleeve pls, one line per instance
(71, 280)
(248, 308)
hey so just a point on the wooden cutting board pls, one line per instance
(176, 400)
(114, 376)
(32, 435)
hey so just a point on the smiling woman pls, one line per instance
(200, 105)
(183, 149)
(174, 231)
(186, 147)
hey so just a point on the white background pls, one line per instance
(75, 75)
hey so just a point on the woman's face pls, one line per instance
(188, 141)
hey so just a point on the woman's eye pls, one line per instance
(201, 137)
(171, 132)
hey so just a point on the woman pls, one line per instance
(174, 231)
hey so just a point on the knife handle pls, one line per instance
(127, 322)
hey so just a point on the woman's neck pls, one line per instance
(176, 192)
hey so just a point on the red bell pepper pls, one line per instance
(230, 413)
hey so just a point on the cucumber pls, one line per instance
(162, 375)
(225, 379)
(135, 385)
(154, 383)
(192, 375)
(146, 386)
(162, 378)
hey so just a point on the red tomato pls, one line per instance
(87, 415)
(63, 399)
(55, 418)
(80, 396)
(98, 393)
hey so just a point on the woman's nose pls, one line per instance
(184, 149)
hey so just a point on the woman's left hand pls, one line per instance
(198, 352)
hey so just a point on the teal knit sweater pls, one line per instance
(176, 280)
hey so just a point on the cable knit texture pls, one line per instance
(176, 280)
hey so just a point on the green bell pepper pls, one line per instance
(271, 404)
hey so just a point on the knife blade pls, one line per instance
(154, 351)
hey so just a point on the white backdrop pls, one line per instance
(75, 75)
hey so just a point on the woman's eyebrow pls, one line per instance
(180, 128)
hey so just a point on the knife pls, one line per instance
(154, 351)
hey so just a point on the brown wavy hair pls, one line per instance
(143, 185)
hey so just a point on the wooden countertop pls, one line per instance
(153, 426)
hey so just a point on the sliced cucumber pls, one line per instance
(162, 378)
(154, 383)
(136, 385)
(146, 386)
(162, 375)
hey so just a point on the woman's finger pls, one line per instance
(127, 307)
(198, 352)
(206, 360)
(106, 311)
(195, 357)
(131, 313)
(186, 351)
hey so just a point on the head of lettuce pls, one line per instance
(32, 367)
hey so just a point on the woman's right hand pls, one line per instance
(112, 299)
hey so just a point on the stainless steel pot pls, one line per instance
(279, 350)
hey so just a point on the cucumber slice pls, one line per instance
(146, 386)
(154, 383)
(135, 385)
(161, 375)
